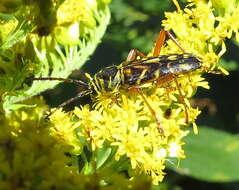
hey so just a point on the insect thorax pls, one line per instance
(107, 79)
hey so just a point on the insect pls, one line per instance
(137, 70)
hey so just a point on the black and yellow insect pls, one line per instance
(137, 70)
(145, 70)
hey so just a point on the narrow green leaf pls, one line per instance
(212, 155)
(6, 17)
(18, 106)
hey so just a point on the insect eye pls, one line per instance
(108, 73)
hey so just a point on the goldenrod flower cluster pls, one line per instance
(202, 30)
(119, 125)
(33, 156)
(30, 157)
(128, 125)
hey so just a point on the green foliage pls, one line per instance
(212, 156)
(135, 24)
(25, 53)
(229, 65)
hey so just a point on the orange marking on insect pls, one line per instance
(139, 67)
(165, 79)
(128, 72)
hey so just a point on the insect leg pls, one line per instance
(170, 78)
(159, 43)
(170, 36)
(160, 128)
(208, 70)
(133, 55)
(182, 100)
(114, 100)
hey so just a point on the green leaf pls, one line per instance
(229, 65)
(6, 17)
(102, 156)
(212, 155)
(18, 106)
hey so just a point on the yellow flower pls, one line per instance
(33, 158)
(29, 155)
(74, 10)
(130, 127)
(65, 135)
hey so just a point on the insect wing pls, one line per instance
(180, 64)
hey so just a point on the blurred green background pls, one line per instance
(135, 24)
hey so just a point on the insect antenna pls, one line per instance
(208, 70)
(81, 94)
(77, 82)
